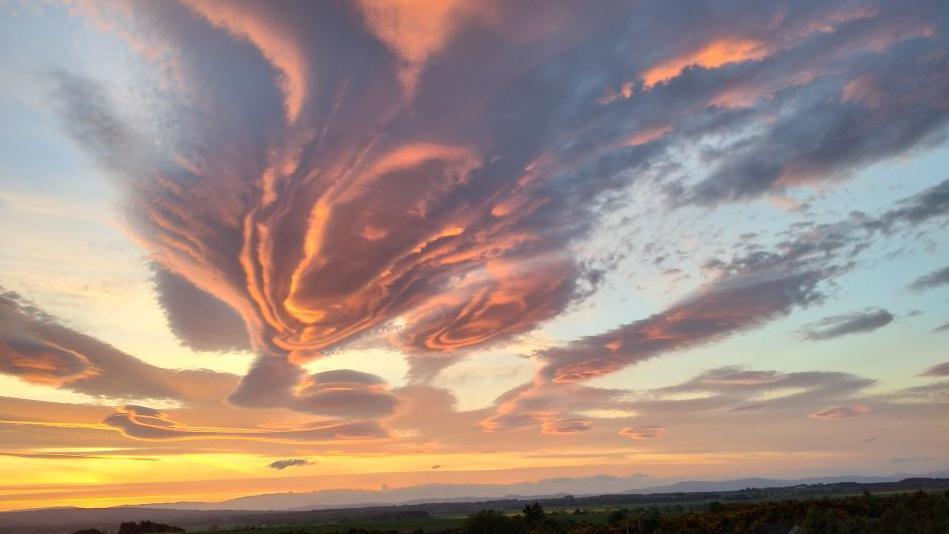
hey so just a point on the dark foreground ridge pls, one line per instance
(760, 509)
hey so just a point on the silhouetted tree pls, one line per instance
(621, 518)
(493, 522)
(533, 513)
(649, 521)
(146, 527)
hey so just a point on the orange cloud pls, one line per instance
(712, 55)
(643, 432)
(43, 363)
(147, 424)
(648, 135)
(413, 30)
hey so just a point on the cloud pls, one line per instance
(37, 348)
(932, 280)
(930, 204)
(643, 432)
(710, 56)
(739, 303)
(941, 369)
(852, 323)
(290, 462)
(321, 211)
(794, 151)
(145, 426)
(841, 412)
(346, 393)
(739, 383)
(275, 382)
(43, 363)
(198, 319)
(71, 456)
(936, 393)
(565, 426)
(728, 389)
(753, 287)
(264, 29)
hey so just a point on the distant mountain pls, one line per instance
(323, 499)
(688, 486)
(542, 489)
(65, 520)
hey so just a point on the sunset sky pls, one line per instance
(406, 242)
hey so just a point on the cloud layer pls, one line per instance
(425, 171)
(501, 239)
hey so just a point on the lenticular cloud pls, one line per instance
(420, 175)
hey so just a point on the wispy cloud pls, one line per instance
(852, 323)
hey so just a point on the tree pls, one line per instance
(899, 518)
(493, 522)
(621, 518)
(145, 527)
(820, 520)
(650, 521)
(534, 513)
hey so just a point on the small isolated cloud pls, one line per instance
(852, 323)
(289, 462)
(841, 412)
(643, 432)
(942, 328)
(941, 369)
(931, 280)
(436, 466)
(565, 426)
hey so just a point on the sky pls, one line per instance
(253, 247)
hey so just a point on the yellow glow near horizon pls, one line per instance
(213, 477)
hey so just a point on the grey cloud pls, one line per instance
(199, 320)
(932, 280)
(565, 426)
(928, 205)
(941, 369)
(290, 462)
(739, 303)
(275, 382)
(346, 393)
(936, 393)
(852, 323)
(742, 383)
(865, 104)
(752, 288)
